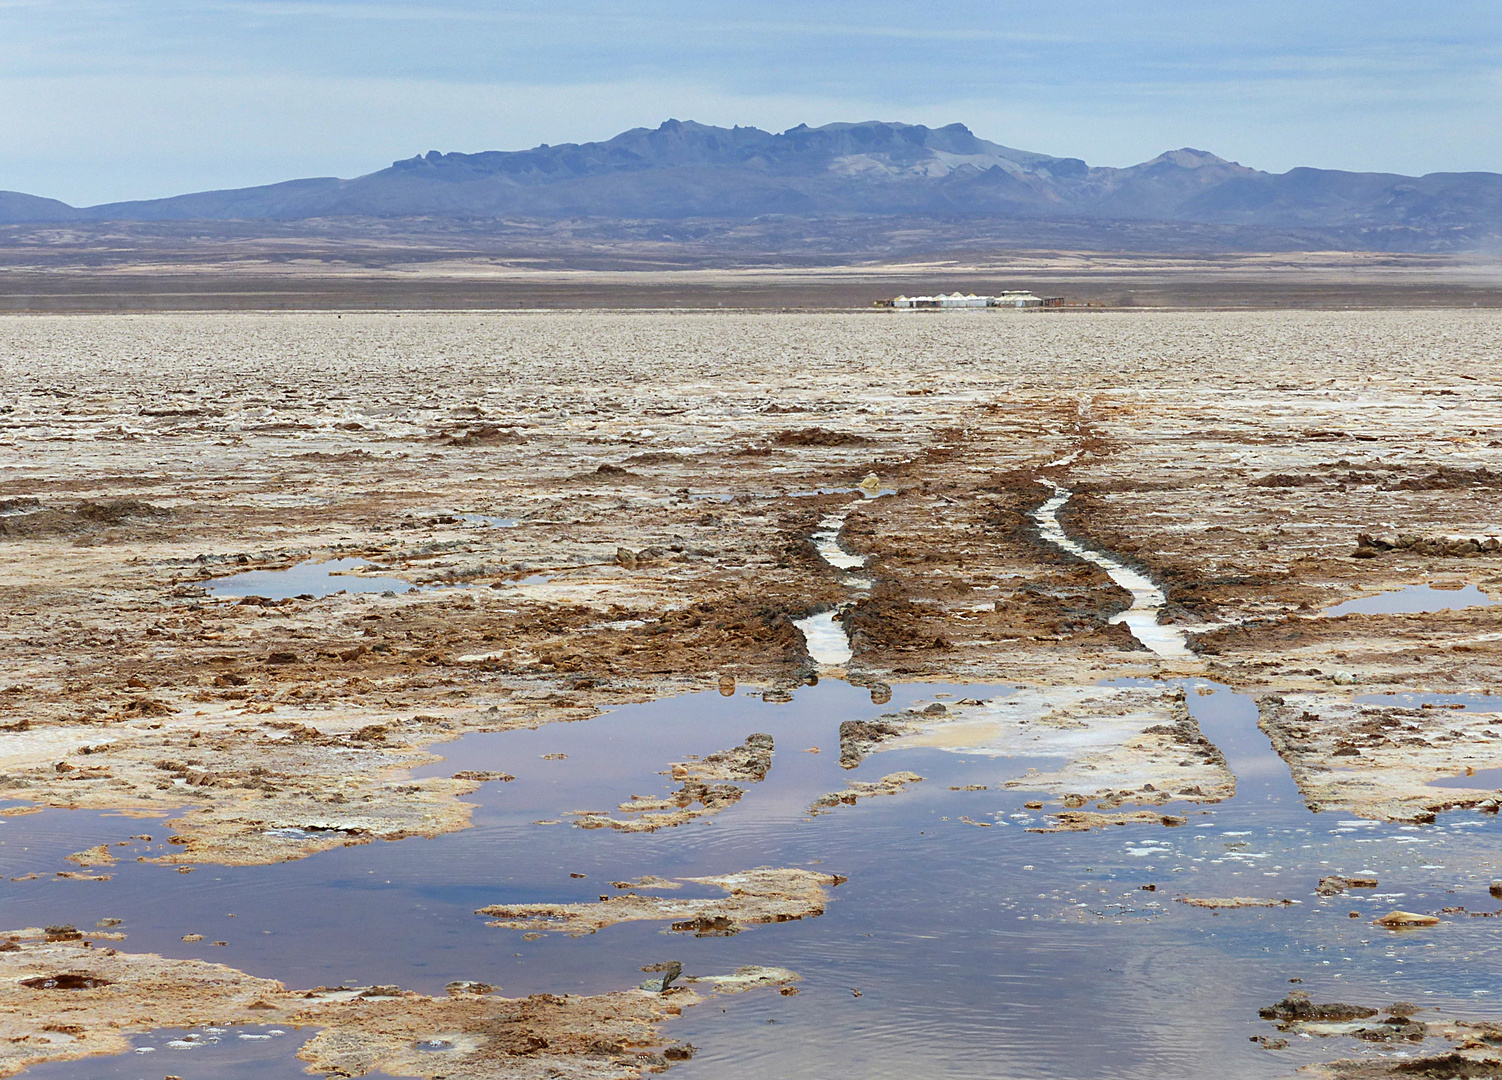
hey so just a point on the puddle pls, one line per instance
(1414, 600)
(490, 522)
(828, 643)
(826, 540)
(257, 1052)
(1147, 599)
(1478, 778)
(306, 579)
(1473, 702)
(874, 492)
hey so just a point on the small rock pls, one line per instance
(1394, 920)
(1496, 889)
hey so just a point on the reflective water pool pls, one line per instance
(1413, 600)
(967, 948)
(306, 579)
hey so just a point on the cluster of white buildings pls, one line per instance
(1009, 299)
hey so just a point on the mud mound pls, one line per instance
(817, 436)
(85, 517)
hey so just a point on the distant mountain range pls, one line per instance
(687, 170)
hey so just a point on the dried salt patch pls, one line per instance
(182, 1044)
(145, 1049)
(252, 1035)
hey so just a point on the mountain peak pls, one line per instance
(1187, 157)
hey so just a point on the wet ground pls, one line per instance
(306, 670)
(997, 937)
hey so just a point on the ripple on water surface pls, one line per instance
(963, 945)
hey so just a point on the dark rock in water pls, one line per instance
(468, 986)
(1496, 889)
(1297, 1006)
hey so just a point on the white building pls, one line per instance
(1011, 298)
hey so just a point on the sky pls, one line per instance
(102, 100)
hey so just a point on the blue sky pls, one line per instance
(114, 99)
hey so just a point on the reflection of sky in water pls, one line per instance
(977, 950)
(1413, 600)
(305, 579)
(226, 1053)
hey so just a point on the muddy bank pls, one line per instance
(663, 516)
(1421, 1032)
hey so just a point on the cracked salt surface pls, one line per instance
(1147, 598)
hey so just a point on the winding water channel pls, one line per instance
(962, 945)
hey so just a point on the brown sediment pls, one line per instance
(764, 895)
(1221, 903)
(1086, 820)
(64, 1000)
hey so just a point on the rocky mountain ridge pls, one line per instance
(682, 170)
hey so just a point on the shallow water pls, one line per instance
(309, 578)
(1147, 598)
(1473, 702)
(828, 644)
(1477, 778)
(827, 542)
(1413, 600)
(226, 1053)
(979, 950)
